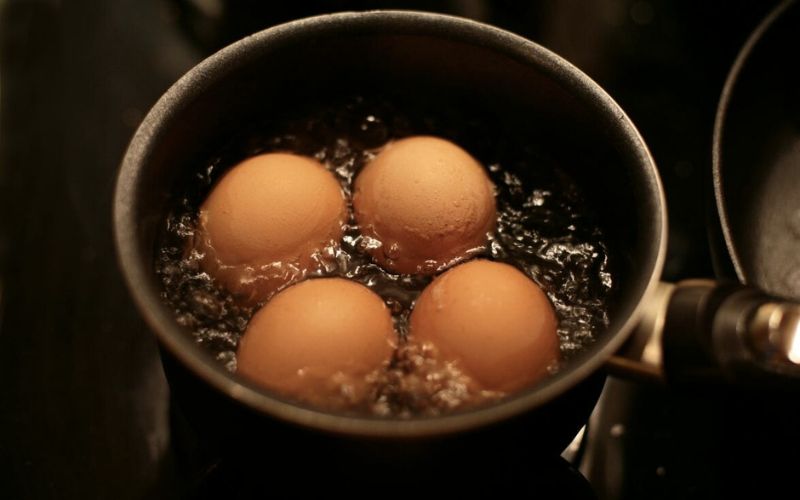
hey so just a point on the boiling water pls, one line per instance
(544, 228)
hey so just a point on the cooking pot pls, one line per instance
(719, 334)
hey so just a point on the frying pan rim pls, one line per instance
(138, 275)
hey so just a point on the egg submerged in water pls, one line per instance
(264, 220)
(317, 341)
(492, 320)
(427, 202)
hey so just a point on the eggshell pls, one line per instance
(318, 340)
(492, 320)
(264, 220)
(427, 201)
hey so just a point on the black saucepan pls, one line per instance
(450, 60)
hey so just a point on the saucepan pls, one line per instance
(695, 330)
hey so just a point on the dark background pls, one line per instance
(84, 406)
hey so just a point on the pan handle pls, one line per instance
(700, 331)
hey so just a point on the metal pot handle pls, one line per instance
(699, 331)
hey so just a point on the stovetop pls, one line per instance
(84, 406)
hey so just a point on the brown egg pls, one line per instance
(427, 201)
(317, 340)
(264, 220)
(492, 320)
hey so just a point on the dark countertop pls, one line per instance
(84, 406)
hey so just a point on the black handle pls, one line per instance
(731, 334)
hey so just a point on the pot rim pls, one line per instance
(138, 274)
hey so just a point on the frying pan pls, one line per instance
(756, 157)
(706, 329)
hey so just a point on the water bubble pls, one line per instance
(391, 251)
(371, 132)
(394, 305)
(538, 197)
(369, 243)
(205, 303)
(228, 360)
(429, 266)
(340, 151)
(496, 250)
(407, 280)
(512, 183)
(344, 170)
